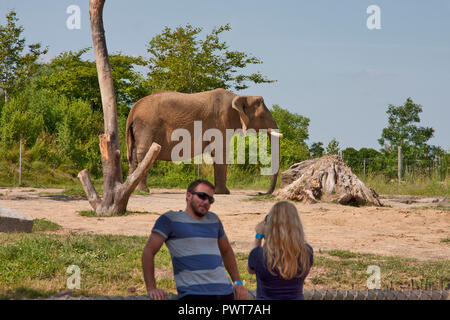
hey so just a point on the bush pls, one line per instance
(54, 130)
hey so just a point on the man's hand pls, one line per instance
(240, 291)
(157, 294)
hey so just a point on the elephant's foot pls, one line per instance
(142, 187)
(221, 190)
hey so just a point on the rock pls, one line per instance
(328, 179)
(14, 221)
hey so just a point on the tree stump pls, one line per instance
(328, 179)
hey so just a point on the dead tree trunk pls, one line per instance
(115, 193)
(328, 179)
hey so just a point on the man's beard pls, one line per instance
(196, 210)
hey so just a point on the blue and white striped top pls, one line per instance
(197, 263)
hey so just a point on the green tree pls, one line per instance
(402, 131)
(75, 78)
(352, 158)
(316, 149)
(293, 126)
(374, 160)
(56, 130)
(333, 147)
(295, 131)
(182, 62)
(15, 65)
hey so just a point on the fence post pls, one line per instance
(399, 165)
(20, 163)
(364, 169)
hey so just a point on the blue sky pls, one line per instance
(330, 67)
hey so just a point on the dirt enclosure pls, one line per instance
(406, 226)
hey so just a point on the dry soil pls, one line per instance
(406, 226)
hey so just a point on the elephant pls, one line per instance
(154, 118)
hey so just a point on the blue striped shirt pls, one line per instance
(197, 263)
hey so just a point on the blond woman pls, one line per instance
(282, 263)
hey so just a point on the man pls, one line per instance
(199, 248)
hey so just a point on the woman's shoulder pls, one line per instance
(256, 251)
(311, 250)
(311, 253)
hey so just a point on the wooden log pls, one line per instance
(325, 179)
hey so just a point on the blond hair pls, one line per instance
(285, 246)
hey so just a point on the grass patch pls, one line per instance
(343, 254)
(445, 240)
(140, 193)
(40, 225)
(419, 186)
(437, 207)
(91, 213)
(341, 269)
(264, 197)
(35, 265)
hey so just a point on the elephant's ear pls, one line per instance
(239, 104)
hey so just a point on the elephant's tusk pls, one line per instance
(275, 134)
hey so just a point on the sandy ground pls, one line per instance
(407, 226)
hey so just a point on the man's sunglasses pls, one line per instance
(204, 196)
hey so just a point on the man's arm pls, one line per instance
(231, 265)
(154, 243)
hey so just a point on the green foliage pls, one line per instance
(182, 62)
(402, 131)
(294, 128)
(18, 121)
(40, 225)
(70, 76)
(292, 152)
(164, 174)
(15, 65)
(53, 129)
(316, 149)
(373, 160)
(333, 147)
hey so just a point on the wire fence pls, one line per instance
(403, 169)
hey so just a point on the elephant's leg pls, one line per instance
(142, 186)
(220, 179)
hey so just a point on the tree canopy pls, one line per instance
(295, 131)
(15, 65)
(333, 147)
(403, 131)
(182, 62)
(75, 78)
(316, 149)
